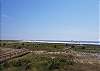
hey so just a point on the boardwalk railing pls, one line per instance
(13, 53)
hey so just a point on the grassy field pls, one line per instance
(48, 62)
(32, 62)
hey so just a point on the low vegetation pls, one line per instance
(48, 62)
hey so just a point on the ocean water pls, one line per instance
(69, 42)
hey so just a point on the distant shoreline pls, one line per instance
(56, 41)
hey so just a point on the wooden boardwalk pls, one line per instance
(9, 53)
(80, 57)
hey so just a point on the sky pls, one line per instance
(49, 19)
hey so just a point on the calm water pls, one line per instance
(70, 42)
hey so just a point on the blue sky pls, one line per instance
(50, 19)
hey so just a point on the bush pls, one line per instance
(83, 47)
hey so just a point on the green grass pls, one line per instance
(44, 62)
(87, 48)
(33, 46)
(32, 62)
